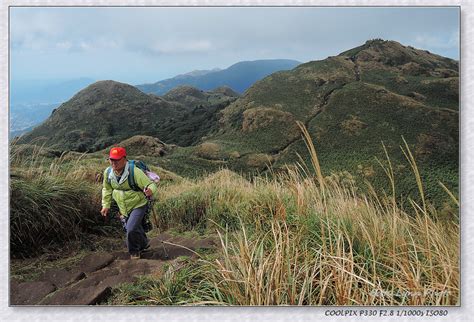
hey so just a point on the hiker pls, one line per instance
(132, 204)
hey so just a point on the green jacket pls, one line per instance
(126, 198)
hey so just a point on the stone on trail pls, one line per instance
(102, 277)
(61, 278)
(83, 293)
(94, 262)
(79, 296)
(140, 267)
(29, 293)
(97, 286)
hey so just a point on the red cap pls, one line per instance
(117, 153)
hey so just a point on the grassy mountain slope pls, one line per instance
(350, 104)
(107, 112)
(340, 96)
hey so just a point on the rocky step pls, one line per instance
(92, 279)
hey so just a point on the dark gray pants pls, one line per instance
(135, 234)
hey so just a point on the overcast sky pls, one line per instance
(142, 45)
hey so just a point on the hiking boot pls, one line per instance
(135, 256)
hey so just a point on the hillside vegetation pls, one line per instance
(108, 112)
(294, 239)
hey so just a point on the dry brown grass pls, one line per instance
(259, 160)
(209, 150)
(261, 117)
(314, 240)
(353, 125)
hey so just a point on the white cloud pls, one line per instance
(84, 45)
(158, 38)
(64, 45)
(180, 47)
(438, 41)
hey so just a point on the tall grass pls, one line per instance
(293, 239)
(302, 240)
(52, 200)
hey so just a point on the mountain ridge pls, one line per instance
(238, 76)
(351, 104)
(107, 112)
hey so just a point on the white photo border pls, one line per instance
(264, 314)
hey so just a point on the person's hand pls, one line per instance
(104, 211)
(148, 192)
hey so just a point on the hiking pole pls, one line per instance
(147, 223)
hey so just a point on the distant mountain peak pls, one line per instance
(240, 76)
(265, 62)
(109, 87)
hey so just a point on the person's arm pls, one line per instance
(106, 195)
(144, 183)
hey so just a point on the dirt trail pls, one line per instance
(92, 279)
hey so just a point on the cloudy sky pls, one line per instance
(142, 45)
